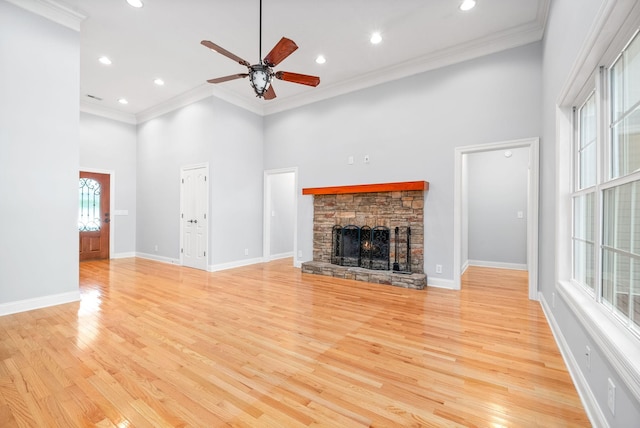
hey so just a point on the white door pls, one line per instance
(193, 217)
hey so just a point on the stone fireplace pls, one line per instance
(388, 206)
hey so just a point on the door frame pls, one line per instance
(112, 203)
(266, 223)
(532, 207)
(208, 234)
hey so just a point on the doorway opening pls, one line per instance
(280, 217)
(530, 213)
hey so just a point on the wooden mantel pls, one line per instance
(367, 188)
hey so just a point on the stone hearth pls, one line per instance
(390, 205)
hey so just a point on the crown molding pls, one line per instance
(518, 36)
(196, 94)
(54, 11)
(508, 39)
(96, 110)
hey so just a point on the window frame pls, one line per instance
(618, 345)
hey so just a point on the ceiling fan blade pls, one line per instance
(227, 78)
(303, 79)
(224, 52)
(270, 93)
(280, 51)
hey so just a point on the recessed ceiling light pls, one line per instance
(375, 38)
(159, 82)
(104, 60)
(467, 5)
(135, 3)
(321, 59)
(123, 101)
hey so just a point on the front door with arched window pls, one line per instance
(94, 217)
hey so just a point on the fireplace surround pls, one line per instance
(387, 205)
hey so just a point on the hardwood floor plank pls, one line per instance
(154, 344)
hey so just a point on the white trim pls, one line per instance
(236, 264)
(112, 203)
(532, 207)
(281, 256)
(593, 410)
(157, 258)
(53, 11)
(619, 346)
(615, 19)
(38, 302)
(266, 219)
(497, 265)
(199, 93)
(96, 110)
(511, 38)
(441, 283)
(124, 255)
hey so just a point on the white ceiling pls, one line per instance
(162, 39)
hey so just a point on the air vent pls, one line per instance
(94, 97)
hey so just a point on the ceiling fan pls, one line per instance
(261, 75)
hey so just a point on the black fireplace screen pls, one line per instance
(361, 247)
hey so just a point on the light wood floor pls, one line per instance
(158, 345)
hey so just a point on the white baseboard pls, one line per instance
(440, 283)
(123, 255)
(464, 268)
(281, 256)
(498, 265)
(235, 264)
(158, 258)
(593, 410)
(38, 302)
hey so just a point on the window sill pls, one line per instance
(620, 347)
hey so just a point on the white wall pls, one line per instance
(230, 140)
(409, 129)
(110, 146)
(39, 103)
(497, 191)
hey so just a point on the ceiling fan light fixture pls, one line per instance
(320, 59)
(260, 78)
(375, 38)
(467, 5)
(104, 60)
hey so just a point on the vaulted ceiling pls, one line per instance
(162, 40)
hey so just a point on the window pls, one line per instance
(584, 201)
(606, 206)
(89, 197)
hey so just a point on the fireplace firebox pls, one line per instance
(361, 247)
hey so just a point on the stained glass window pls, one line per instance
(89, 215)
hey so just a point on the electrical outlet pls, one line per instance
(246, 251)
(438, 268)
(587, 355)
(350, 160)
(611, 396)
(155, 248)
(299, 254)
